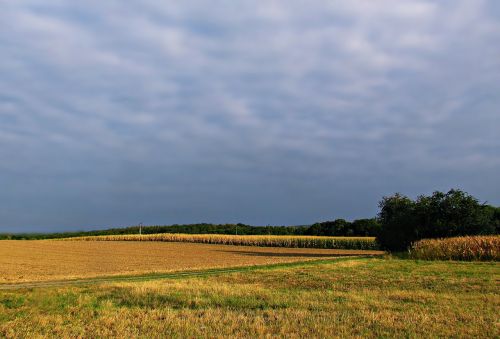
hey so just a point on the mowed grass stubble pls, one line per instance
(346, 298)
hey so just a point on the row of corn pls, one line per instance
(355, 243)
(470, 248)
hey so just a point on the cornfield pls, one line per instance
(471, 248)
(354, 243)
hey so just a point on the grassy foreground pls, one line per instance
(349, 297)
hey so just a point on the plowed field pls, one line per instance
(43, 260)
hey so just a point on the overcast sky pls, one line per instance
(261, 112)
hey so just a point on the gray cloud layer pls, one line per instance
(281, 112)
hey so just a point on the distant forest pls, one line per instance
(339, 227)
(400, 222)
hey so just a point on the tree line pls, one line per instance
(339, 227)
(400, 222)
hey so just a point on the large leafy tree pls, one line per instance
(440, 215)
(398, 225)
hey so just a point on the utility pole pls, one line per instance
(140, 228)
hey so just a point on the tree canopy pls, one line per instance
(455, 213)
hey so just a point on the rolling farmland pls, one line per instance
(42, 260)
(177, 286)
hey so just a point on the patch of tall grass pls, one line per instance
(469, 248)
(355, 243)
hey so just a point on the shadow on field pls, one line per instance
(277, 254)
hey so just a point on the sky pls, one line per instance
(261, 112)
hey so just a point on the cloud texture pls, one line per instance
(272, 112)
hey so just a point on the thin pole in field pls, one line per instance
(140, 228)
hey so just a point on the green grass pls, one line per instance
(352, 297)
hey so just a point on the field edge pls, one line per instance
(177, 274)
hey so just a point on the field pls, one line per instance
(353, 243)
(42, 260)
(53, 288)
(471, 248)
(369, 297)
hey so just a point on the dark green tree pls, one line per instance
(440, 215)
(365, 227)
(398, 225)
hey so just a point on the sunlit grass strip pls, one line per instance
(354, 243)
(472, 248)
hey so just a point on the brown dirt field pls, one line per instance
(44, 260)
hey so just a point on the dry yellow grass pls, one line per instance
(366, 298)
(353, 243)
(475, 248)
(42, 260)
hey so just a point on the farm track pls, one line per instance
(172, 275)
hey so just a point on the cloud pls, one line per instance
(189, 111)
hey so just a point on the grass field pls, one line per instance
(39, 260)
(345, 297)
